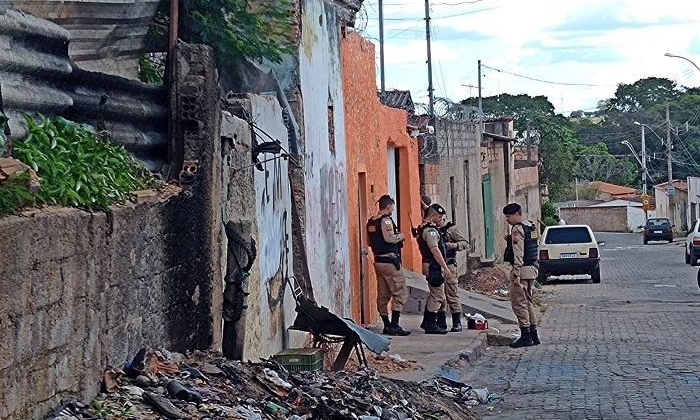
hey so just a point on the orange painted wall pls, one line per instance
(370, 129)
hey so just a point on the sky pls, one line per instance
(595, 43)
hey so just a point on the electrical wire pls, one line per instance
(535, 79)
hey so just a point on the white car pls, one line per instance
(692, 244)
(568, 250)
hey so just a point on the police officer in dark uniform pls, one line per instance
(386, 242)
(521, 253)
(432, 248)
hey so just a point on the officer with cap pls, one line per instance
(521, 252)
(454, 241)
(435, 269)
(386, 242)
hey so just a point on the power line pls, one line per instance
(440, 17)
(535, 79)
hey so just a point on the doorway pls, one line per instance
(489, 222)
(392, 160)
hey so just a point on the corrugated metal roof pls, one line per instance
(400, 99)
(107, 35)
(36, 75)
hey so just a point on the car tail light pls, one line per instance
(544, 254)
(696, 241)
(593, 253)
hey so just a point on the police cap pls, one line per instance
(512, 208)
(438, 209)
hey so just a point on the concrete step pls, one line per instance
(471, 302)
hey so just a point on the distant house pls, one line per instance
(608, 191)
(679, 201)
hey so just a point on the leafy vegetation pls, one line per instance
(14, 193)
(588, 145)
(76, 166)
(236, 29)
(548, 213)
(150, 71)
(3, 139)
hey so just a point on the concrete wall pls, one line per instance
(680, 203)
(371, 129)
(325, 177)
(527, 191)
(80, 291)
(600, 219)
(636, 218)
(693, 200)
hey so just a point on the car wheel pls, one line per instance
(687, 257)
(542, 278)
(646, 241)
(595, 275)
(698, 278)
(693, 260)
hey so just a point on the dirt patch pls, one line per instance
(492, 281)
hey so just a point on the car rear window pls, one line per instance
(568, 235)
(658, 223)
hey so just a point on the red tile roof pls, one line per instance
(613, 189)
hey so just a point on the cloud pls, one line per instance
(450, 34)
(694, 45)
(612, 17)
(555, 52)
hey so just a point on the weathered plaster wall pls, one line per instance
(527, 191)
(600, 219)
(262, 199)
(371, 128)
(326, 206)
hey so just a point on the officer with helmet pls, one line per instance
(521, 253)
(386, 242)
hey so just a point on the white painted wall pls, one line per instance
(272, 312)
(693, 212)
(326, 204)
(636, 218)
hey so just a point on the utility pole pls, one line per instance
(381, 46)
(669, 163)
(479, 84)
(529, 144)
(431, 96)
(644, 163)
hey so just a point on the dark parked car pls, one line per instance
(658, 229)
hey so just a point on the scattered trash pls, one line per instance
(204, 385)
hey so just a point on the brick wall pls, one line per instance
(600, 219)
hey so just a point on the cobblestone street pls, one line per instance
(627, 348)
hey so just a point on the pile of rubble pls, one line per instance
(160, 384)
(492, 281)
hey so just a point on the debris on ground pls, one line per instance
(488, 280)
(459, 391)
(201, 385)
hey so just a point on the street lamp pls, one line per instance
(683, 58)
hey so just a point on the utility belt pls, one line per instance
(389, 259)
(451, 261)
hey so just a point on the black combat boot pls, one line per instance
(425, 316)
(431, 326)
(387, 324)
(442, 320)
(395, 327)
(533, 335)
(525, 340)
(456, 322)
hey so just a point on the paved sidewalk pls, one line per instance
(432, 351)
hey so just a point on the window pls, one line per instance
(568, 235)
(658, 223)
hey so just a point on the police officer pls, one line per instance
(386, 242)
(521, 252)
(454, 241)
(435, 269)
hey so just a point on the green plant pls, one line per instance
(14, 193)
(77, 167)
(3, 139)
(150, 71)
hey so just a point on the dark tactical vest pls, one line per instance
(425, 252)
(376, 239)
(450, 254)
(530, 257)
